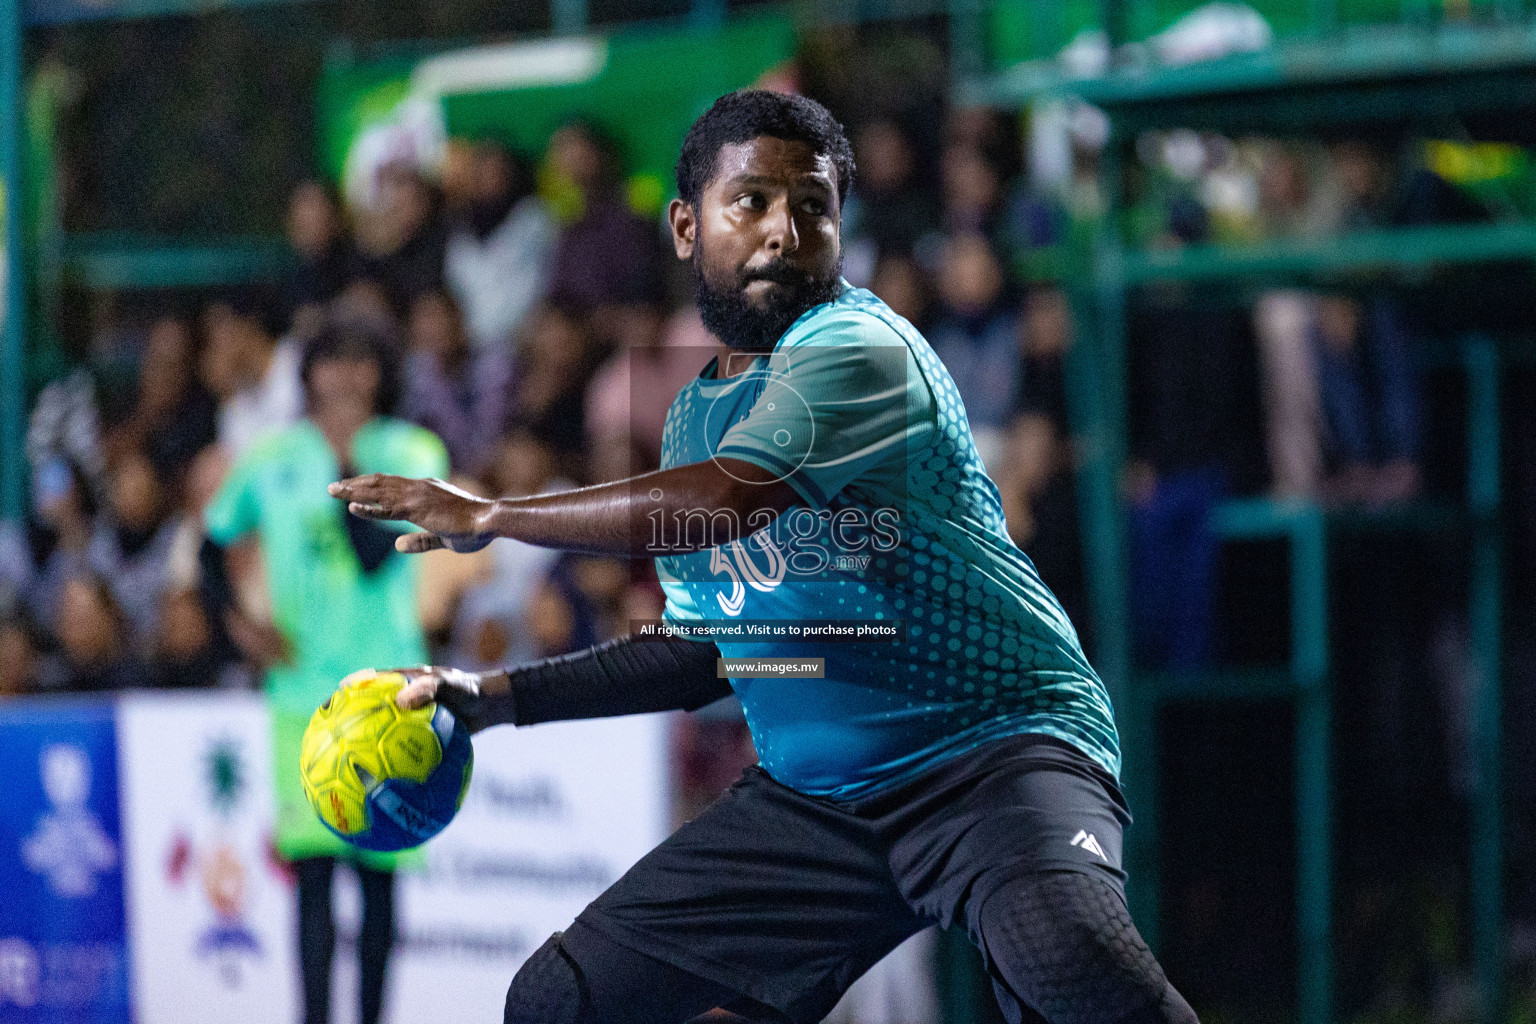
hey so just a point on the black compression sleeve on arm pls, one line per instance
(627, 676)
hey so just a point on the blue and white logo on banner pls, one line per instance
(63, 954)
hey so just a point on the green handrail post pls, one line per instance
(1113, 16)
(1485, 613)
(1314, 713)
(707, 13)
(13, 332)
(967, 43)
(1096, 407)
(568, 17)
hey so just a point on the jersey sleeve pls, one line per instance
(840, 405)
(235, 510)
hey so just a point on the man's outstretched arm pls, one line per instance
(670, 511)
(626, 676)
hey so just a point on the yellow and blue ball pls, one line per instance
(379, 776)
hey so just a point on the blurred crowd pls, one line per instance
(545, 326)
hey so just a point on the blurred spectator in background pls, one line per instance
(173, 416)
(558, 618)
(497, 261)
(342, 597)
(365, 299)
(458, 393)
(1290, 206)
(326, 260)
(402, 239)
(1340, 393)
(607, 255)
(1370, 398)
(22, 646)
(66, 425)
(900, 284)
(972, 191)
(250, 369)
(554, 362)
(887, 212)
(132, 547)
(628, 399)
(59, 543)
(186, 653)
(94, 650)
(976, 334)
(1036, 478)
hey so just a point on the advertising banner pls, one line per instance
(206, 895)
(554, 815)
(643, 86)
(181, 913)
(63, 955)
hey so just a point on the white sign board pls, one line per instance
(210, 912)
(553, 816)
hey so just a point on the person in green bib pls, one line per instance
(341, 599)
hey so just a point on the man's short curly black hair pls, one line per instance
(748, 114)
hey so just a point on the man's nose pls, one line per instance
(781, 238)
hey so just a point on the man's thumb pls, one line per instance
(416, 543)
(417, 694)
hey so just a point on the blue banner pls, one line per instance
(63, 950)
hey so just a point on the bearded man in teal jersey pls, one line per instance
(820, 470)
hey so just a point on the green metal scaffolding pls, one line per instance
(1404, 80)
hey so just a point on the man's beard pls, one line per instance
(736, 321)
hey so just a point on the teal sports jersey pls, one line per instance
(899, 522)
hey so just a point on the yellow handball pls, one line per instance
(379, 776)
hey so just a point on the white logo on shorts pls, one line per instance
(1085, 839)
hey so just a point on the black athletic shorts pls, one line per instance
(788, 898)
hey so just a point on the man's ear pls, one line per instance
(684, 223)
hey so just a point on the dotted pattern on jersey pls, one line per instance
(988, 650)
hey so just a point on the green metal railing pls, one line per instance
(1422, 74)
(13, 301)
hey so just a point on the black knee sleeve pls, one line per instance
(548, 989)
(1063, 943)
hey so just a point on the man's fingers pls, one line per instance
(362, 488)
(416, 543)
(418, 693)
(372, 510)
(353, 488)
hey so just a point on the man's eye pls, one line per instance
(753, 201)
(815, 207)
